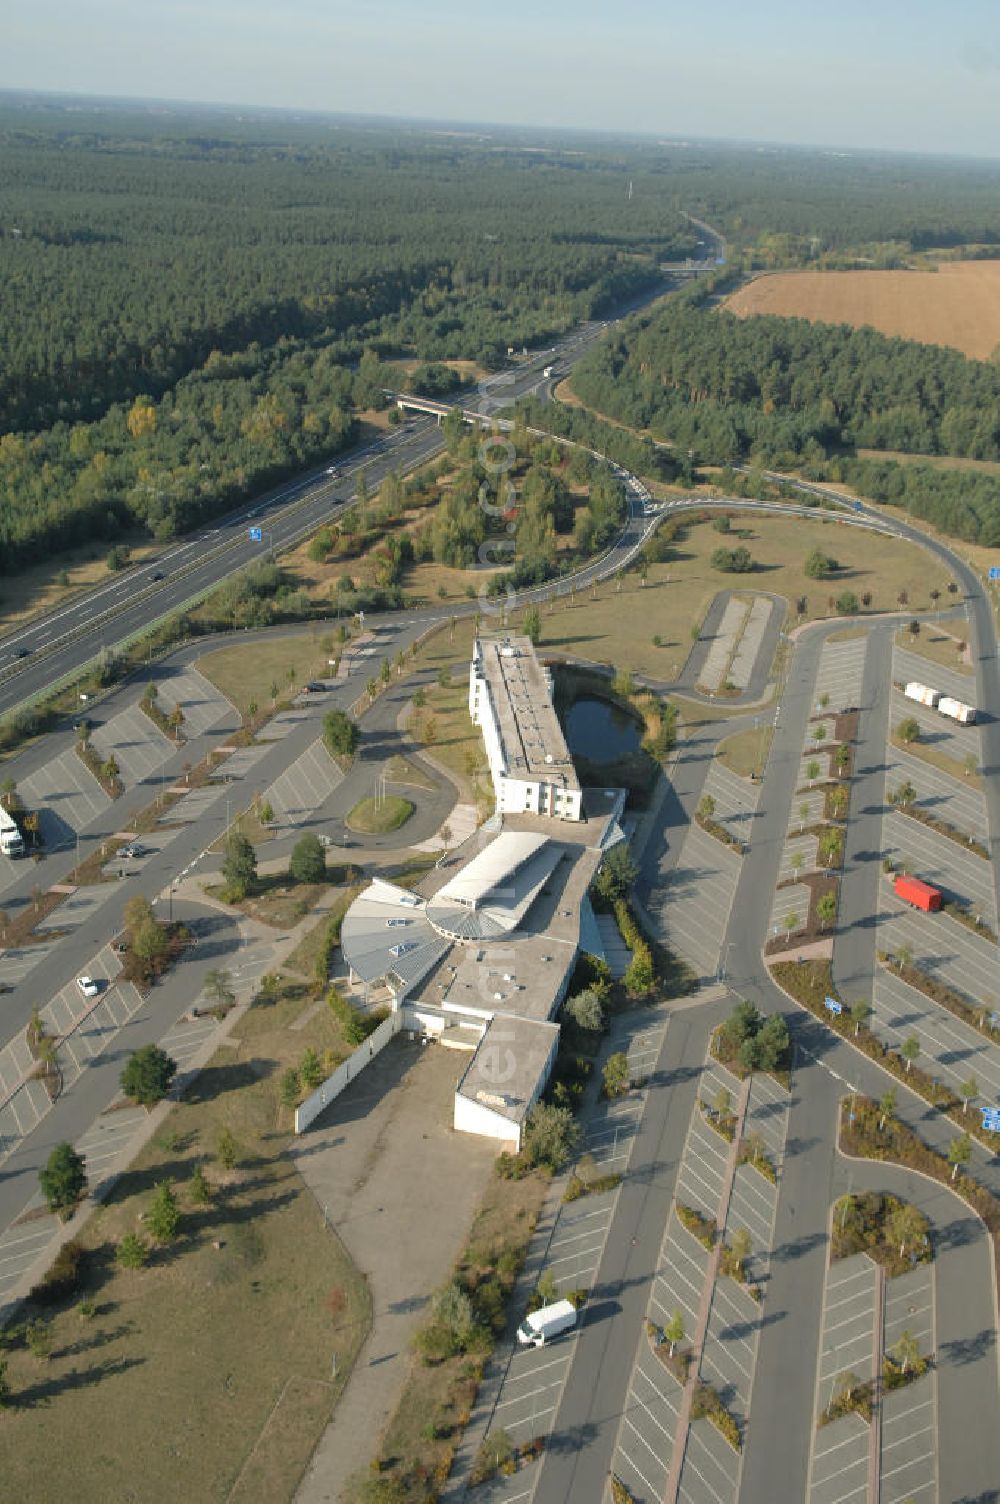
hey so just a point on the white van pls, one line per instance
(547, 1322)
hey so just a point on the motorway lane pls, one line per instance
(82, 638)
(295, 508)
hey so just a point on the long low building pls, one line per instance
(510, 699)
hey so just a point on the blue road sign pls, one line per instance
(833, 1005)
(256, 535)
(995, 571)
(858, 506)
(991, 1119)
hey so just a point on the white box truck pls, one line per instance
(956, 711)
(923, 694)
(11, 839)
(547, 1322)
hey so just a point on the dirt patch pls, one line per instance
(199, 1354)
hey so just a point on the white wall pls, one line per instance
(331, 1088)
(474, 1117)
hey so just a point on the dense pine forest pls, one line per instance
(790, 393)
(195, 308)
(198, 303)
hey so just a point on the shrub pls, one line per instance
(586, 1010)
(732, 560)
(63, 1276)
(164, 1215)
(147, 1075)
(340, 733)
(616, 1075)
(132, 1252)
(819, 564)
(64, 1178)
(307, 863)
(550, 1134)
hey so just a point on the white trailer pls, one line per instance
(11, 839)
(956, 711)
(547, 1322)
(923, 694)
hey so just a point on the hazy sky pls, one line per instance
(916, 74)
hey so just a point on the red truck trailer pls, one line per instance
(921, 895)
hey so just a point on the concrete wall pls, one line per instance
(331, 1088)
(474, 1117)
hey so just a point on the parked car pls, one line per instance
(132, 853)
(156, 575)
(314, 687)
(87, 986)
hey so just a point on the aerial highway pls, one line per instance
(58, 644)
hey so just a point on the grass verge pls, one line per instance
(746, 752)
(378, 817)
(214, 1358)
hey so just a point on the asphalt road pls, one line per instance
(65, 639)
(217, 944)
(578, 1454)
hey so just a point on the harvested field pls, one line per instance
(958, 305)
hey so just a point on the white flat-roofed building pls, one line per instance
(510, 699)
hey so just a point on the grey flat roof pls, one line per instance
(504, 1071)
(385, 933)
(533, 741)
(493, 893)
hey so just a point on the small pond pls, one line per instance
(600, 731)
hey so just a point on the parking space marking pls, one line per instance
(944, 948)
(280, 725)
(936, 730)
(691, 904)
(67, 797)
(736, 800)
(941, 861)
(192, 806)
(137, 744)
(202, 705)
(304, 787)
(937, 792)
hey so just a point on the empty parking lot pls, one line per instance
(839, 1467)
(691, 906)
